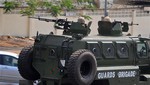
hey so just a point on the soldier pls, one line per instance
(106, 18)
(82, 21)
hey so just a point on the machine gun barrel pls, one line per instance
(44, 19)
(132, 24)
(47, 20)
(126, 23)
(59, 23)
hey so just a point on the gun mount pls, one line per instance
(69, 27)
(115, 28)
(90, 60)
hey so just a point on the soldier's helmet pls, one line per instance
(81, 20)
(107, 18)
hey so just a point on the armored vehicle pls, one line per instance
(74, 58)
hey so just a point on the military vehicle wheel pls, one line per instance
(81, 67)
(25, 67)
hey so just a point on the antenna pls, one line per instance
(105, 13)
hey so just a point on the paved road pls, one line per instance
(11, 49)
(4, 83)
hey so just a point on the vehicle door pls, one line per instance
(142, 53)
(9, 69)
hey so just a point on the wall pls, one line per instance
(1, 21)
(144, 26)
(17, 25)
(14, 25)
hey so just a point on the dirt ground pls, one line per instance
(14, 44)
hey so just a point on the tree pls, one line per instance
(55, 7)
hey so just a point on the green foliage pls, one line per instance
(54, 7)
(67, 4)
(27, 12)
(30, 9)
(44, 4)
(83, 1)
(86, 4)
(55, 10)
(8, 6)
(89, 6)
(32, 3)
(86, 17)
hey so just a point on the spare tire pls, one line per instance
(25, 67)
(82, 67)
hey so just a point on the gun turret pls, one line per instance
(69, 27)
(113, 28)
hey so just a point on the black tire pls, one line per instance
(25, 67)
(82, 67)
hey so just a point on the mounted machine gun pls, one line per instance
(69, 27)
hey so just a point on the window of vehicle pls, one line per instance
(141, 49)
(94, 47)
(8, 60)
(122, 49)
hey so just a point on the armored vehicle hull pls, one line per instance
(77, 59)
(93, 60)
